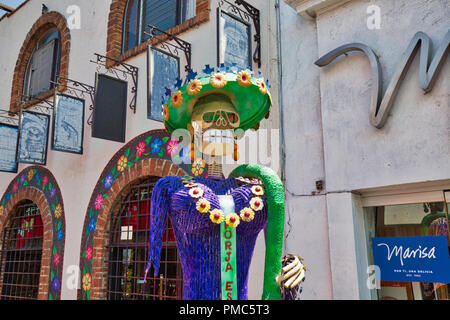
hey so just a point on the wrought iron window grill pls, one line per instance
(120, 70)
(128, 251)
(162, 38)
(21, 253)
(8, 117)
(247, 13)
(37, 104)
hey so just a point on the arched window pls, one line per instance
(128, 250)
(43, 66)
(21, 253)
(164, 14)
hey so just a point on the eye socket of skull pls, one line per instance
(216, 111)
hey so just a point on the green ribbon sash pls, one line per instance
(228, 252)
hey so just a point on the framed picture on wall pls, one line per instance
(110, 108)
(8, 147)
(163, 70)
(68, 124)
(234, 44)
(33, 138)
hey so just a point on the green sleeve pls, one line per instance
(274, 193)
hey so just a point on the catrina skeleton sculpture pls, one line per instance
(216, 220)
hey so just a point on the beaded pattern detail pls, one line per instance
(232, 219)
(198, 233)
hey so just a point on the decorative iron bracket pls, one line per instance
(79, 90)
(162, 37)
(8, 117)
(39, 105)
(121, 71)
(248, 13)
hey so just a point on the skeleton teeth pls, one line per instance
(218, 136)
(211, 139)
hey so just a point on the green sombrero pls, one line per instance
(249, 95)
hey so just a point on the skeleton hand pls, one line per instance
(292, 274)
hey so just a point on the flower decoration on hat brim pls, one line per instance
(247, 214)
(166, 112)
(257, 190)
(218, 80)
(232, 220)
(256, 204)
(203, 205)
(262, 86)
(194, 87)
(196, 192)
(217, 216)
(177, 99)
(244, 78)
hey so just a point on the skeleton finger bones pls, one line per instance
(293, 272)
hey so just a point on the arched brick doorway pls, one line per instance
(38, 185)
(148, 155)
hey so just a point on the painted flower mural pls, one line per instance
(108, 181)
(172, 147)
(140, 148)
(156, 145)
(99, 202)
(122, 163)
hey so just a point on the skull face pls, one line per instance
(213, 121)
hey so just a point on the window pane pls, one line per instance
(160, 13)
(130, 25)
(189, 9)
(42, 69)
(21, 254)
(129, 236)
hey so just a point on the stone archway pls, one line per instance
(37, 184)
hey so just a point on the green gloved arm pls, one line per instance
(274, 193)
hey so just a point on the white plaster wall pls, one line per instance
(78, 174)
(306, 230)
(328, 134)
(414, 145)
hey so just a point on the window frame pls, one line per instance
(45, 39)
(20, 212)
(180, 17)
(123, 239)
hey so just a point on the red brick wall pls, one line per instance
(43, 24)
(39, 199)
(115, 28)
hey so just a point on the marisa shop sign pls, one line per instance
(412, 259)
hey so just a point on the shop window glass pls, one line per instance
(408, 220)
(128, 251)
(21, 254)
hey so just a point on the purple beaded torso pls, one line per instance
(198, 238)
